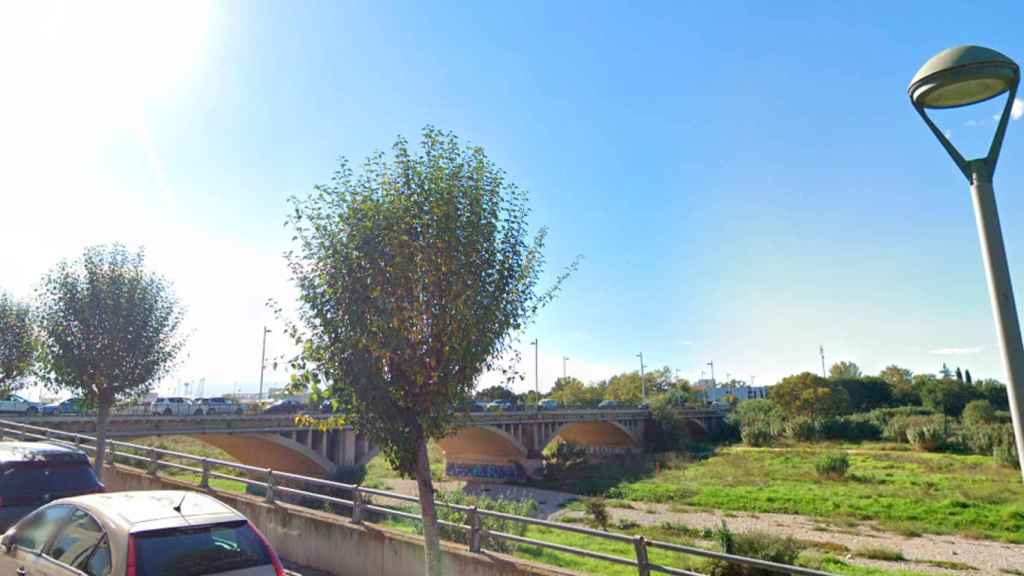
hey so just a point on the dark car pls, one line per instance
(34, 473)
(284, 407)
(71, 407)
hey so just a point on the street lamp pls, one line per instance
(961, 76)
(263, 359)
(643, 382)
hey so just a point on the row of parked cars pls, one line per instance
(57, 520)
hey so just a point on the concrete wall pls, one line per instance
(333, 544)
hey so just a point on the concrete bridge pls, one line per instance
(504, 446)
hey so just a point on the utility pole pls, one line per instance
(536, 369)
(712, 365)
(564, 360)
(643, 382)
(821, 350)
(263, 359)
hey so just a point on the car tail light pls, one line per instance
(129, 569)
(278, 568)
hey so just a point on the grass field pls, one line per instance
(906, 492)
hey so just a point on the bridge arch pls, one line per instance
(271, 451)
(599, 435)
(484, 453)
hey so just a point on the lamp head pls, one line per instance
(961, 76)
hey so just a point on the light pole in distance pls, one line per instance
(263, 359)
(643, 382)
(962, 76)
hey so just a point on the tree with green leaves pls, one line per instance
(572, 392)
(810, 396)
(947, 395)
(414, 277)
(17, 344)
(967, 377)
(844, 369)
(495, 392)
(959, 374)
(109, 330)
(866, 393)
(901, 382)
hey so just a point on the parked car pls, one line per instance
(501, 406)
(211, 406)
(172, 406)
(284, 407)
(34, 473)
(608, 404)
(547, 404)
(69, 407)
(146, 533)
(12, 403)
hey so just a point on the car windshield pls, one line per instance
(195, 551)
(23, 479)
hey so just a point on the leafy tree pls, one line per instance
(670, 431)
(109, 328)
(947, 395)
(628, 388)
(495, 392)
(844, 369)
(901, 382)
(759, 421)
(571, 391)
(17, 344)
(810, 396)
(978, 412)
(967, 376)
(413, 278)
(994, 391)
(867, 393)
(959, 375)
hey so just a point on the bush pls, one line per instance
(899, 425)
(564, 459)
(978, 412)
(803, 429)
(597, 513)
(755, 545)
(759, 422)
(832, 465)
(979, 438)
(1005, 450)
(880, 553)
(854, 428)
(458, 497)
(758, 435)
(927, 437)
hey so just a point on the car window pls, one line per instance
(98, 563)
(192, 551)
(75, 542)
(54, 479)
(34, 532)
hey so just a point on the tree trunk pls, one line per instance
(431, 534)
(102, 415)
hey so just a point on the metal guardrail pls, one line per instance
(478, 535)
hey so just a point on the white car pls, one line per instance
(147, 533)
(212, 406)
(172, 406)
(16, 404)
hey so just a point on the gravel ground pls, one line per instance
(988, 558)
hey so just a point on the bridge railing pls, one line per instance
(478, 536)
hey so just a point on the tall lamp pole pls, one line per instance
(536, 369)
(712, 365)
(961, 76)
(263, 359)
(643, 381)
(564, 360)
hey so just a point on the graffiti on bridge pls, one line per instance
(501, 472)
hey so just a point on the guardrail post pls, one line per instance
(640, 545)
(269, 497)
(474, 530)
(357, 506)
(154, 462)
(111, 451)
(204, 482)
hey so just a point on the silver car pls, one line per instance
(150, 533)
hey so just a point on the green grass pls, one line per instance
(379, 471)
(196, 448)
(906, 492)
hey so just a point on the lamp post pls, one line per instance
(263, 359)
(643, 382)
(536, 369)
(564, 360)
(961, 76)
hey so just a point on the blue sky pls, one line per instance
(745, 181)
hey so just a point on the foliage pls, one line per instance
(627, 388)
(669, 430)
(832, 465)
(524, 507)
(17, 343)
(867, 393)
(900, 380)
(927, 437)
(994, 391)
(880, 553)
(978, 412)
(979, 437)
(414, 277)
(566, 458)
(802, 428)
(492, 393)
(109, 329)
(754, 544)
(809, 395)
(844, 371)
(759, 422)
(946, 395)
(1005, 450)
(573, 392)
(853, 427)
(597, 513)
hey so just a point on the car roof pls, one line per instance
(139, 511)
(39, 451)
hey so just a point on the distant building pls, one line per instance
(714, 393)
